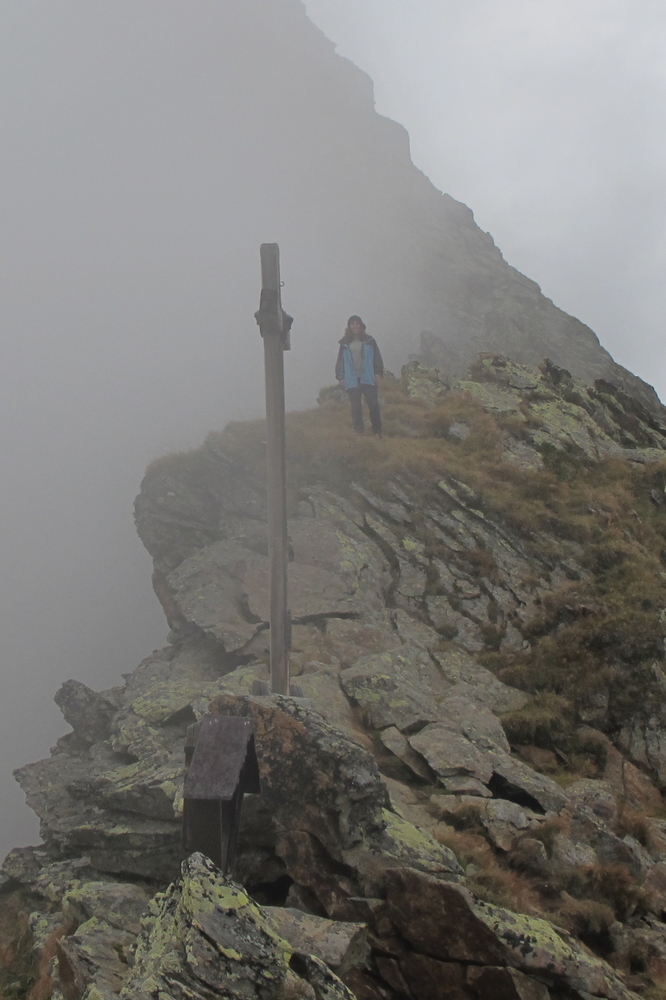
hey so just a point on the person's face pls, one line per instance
(356, 327)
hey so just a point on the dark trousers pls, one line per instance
(355, 398)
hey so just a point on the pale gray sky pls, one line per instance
(547, 118)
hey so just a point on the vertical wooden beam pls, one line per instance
(275, 330)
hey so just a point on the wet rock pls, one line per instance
(515, 780)
(383, 698)
(645, 745)
(506, 984)
(447, 923)
(597, 795)
(205, 937)
(394, 741)
(87, 712)
(58, 790)
(340, 944)
(504, 820)
(348, 639)
(330, 808)
(472, 681)
(450, 754)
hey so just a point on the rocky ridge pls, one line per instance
(445, 814)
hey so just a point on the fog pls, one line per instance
(127, 330)
(547, 119)
(146, 151)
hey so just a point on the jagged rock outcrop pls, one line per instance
(205, 938)
(428, 782)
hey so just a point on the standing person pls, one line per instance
(358, 369)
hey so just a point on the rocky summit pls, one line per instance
(466, 801)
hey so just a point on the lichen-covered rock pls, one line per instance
(88, 712)
(341, 944)
(597, 795)
(73, 823)
(205, 938)
(447, 923)
(472, 681)
(330, 811)
(450, 754)
(513, 779)
(97, 953)
(384, 699)
(83, 931)
(394, 741)
(394, 589)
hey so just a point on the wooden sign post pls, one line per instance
(275, 325)
(221, 766)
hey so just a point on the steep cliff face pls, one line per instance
(470, 793)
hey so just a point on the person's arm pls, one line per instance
(377, 362)
(340, 368)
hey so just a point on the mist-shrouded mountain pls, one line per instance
(311, 162)
(469, 796)
(463, 799)
(149, 149)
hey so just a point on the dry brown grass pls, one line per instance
(613, 885)
(17, 967)
(545, 721)
(486, 877)
(588, 919)
(43, 985)
(596, 635)
(637, 824)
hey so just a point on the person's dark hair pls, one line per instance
(348, 335)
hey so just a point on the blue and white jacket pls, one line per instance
(372, 363)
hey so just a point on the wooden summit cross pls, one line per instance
(274, 325)
(221, 763)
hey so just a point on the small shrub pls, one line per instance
(485, 876)
(613, 885)
(588, 919)
(546, 721)
(630, 822)
(548, 831)
(483, 564)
